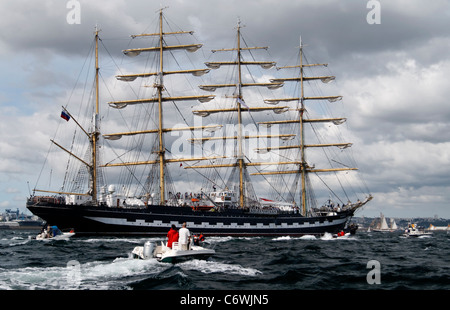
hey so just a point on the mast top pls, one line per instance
(162, 8)
(302, 45)
(96, 29)
(239, 25)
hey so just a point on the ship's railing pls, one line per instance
(48, 199)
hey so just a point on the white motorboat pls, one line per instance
(340, 235)
(62, 236)
(54, 233)
(171, 255)
(414, 231)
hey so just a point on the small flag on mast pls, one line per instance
(65, 116)
(242, 102)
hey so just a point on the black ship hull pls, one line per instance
(156, 221)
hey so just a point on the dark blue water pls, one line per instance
(307, 263)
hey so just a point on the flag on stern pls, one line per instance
(65, 115)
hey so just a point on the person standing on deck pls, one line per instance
(172, 236)
(184, 237)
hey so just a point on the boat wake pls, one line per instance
(14, 241)
(326, 236)
(121, 273)
(209, 267)
(305, 237)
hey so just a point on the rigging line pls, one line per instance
(329, 188)
(117, 66)
(81, 71)
(42, 168)
(169, 22)
(214, 169)
(126, 167)
(117, 155)
(179, 42)
(265, 178)
(364, 188)
(121, 72)
(253, 79)
(179, 66)
(66, 174)
(196, 170)
(329, 160)
(68, 101)
(186, 122)
(293, 189)
(178, 109)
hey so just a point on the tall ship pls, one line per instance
(249, 155)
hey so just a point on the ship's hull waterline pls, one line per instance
(156, 221)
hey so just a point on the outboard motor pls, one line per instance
(149, 247)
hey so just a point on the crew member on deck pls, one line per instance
(198, 239)
(172, 236)
(184, 237)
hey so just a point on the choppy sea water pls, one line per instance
(283, 263)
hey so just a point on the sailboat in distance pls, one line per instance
(382, 225)
(146, 198)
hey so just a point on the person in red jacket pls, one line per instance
(172, 236)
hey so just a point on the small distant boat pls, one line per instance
(414, 231)
(341, 234)
(393, 224)
(383, 226)
(54, 233)
(171, 255)
(441, 228)
(63, 236)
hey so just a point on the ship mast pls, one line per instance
(95, 133)
(240, 107)
(304, 168)
(240, 150)
(160, 87)
(302, 135)
(160, 99)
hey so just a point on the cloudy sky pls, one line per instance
(394, 76)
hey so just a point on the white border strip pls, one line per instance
(204, 225)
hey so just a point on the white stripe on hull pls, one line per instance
(219, 225)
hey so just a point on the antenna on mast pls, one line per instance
(161, 8)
